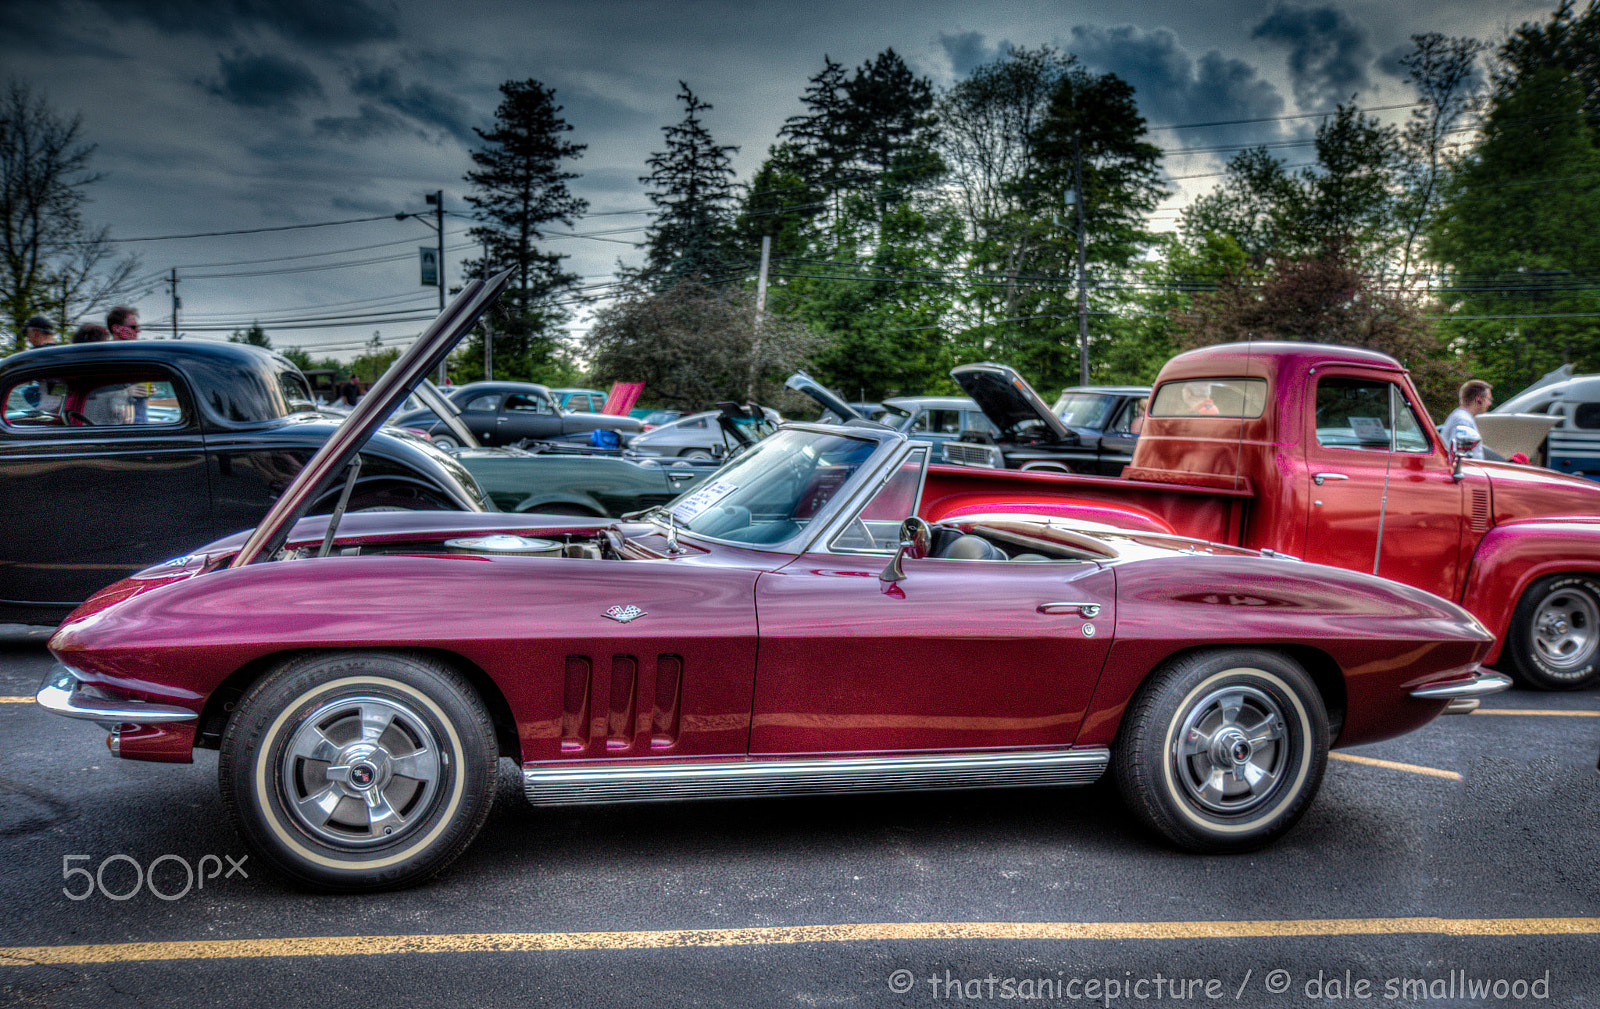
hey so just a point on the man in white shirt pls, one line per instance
(1476, 397)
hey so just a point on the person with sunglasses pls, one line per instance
(124, 325)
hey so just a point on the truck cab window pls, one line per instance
(1358, 413)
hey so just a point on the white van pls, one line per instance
(1574, 402)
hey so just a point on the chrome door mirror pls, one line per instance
(1462, 444)
(916, 538)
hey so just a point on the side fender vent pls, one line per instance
(1480, 509)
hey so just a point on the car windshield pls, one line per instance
(1083, 409)
(769, 493)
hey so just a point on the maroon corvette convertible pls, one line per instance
(789, 627)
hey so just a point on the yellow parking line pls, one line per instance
(1536, 711)
(16, 700)
(1396, 766)
(521, 942)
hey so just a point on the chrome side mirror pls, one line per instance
(916, 538)
(1462, 444)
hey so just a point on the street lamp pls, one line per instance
(436, 200)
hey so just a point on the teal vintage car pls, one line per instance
(557, 481)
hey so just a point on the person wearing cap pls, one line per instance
(39, 332)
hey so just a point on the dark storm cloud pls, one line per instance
(1173, 88)
(1328, 53)
(265, 81)
(371, 122)
(967, 51)
(424, 104)
(318, 23)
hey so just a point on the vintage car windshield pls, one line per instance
(1083, 409)
(769, 493)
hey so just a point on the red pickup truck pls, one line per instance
(1325, 453)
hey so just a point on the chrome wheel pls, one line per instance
(360, 771)
(445, 441)
(1565, 623)
(1554, 639)
(1222, 750)
(1228, 755)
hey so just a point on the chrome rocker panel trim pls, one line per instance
(60, 694)
(1481, 685)
(548, 785)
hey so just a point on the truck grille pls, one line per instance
(963, 453)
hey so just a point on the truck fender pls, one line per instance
(1512, 556)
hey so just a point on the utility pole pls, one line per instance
(488, 328)
(761, 310)
(1083, 277)
(436, 200)
(177, 302)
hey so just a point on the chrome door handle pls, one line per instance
(1086, 610)
(1317, 478)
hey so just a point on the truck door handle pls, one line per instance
(1317, 478)
(1086, 610)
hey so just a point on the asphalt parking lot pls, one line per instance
(1456, 866)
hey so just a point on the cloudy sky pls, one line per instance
(238, 115)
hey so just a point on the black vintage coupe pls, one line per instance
(116, 456)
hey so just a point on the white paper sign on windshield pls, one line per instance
(708, 495)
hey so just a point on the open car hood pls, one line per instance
(801, 382)
(1011, 405)
(332, 460)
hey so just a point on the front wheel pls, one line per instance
(359, 771)
(1554, 641)
(445, 441)
(1223, 751)
(697, 455)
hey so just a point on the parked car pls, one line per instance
(792, 626)
(104, 489)
(696, 436)
(934, 419)
(652, 419)
(586, 400)
(1091, 429)
(505, 413)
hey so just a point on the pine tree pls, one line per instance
(520, 187)
(693, 191)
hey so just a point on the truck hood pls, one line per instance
(1529, 492)
(332, 460)
(1010, 403)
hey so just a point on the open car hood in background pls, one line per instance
(1010, 403)
(329, 464)
(801, 382)
(448, 413)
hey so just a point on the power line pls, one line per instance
(254, 231)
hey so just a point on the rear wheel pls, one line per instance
(1223, 751)
(1554, 642)
(359, 771)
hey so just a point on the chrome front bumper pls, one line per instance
(1463, 695)
(62, 693)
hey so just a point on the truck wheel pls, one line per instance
(1222, 751)
(1554, 640)
(359, 770)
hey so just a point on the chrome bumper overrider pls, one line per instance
(1463, 695)
(61, 693)
(581, 785)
